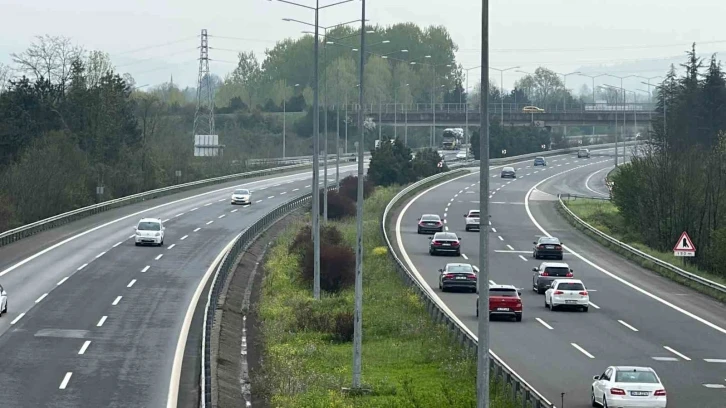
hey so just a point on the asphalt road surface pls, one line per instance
(635, 318)
(93, 321)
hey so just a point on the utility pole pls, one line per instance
(482, 366)
(358, 313)
(316, 163)
(205, 95)
(325, 143)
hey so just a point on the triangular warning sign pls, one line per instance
(684, 243)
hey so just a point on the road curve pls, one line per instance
(93, 321)
(636, 318)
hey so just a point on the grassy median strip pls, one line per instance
(605, 217)
(408, 361)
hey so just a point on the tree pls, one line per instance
(49, 57)
(342, 79)
(4, 77)
(544, 88)
(390, 164)
(377, 77)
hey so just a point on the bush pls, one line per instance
(339, 206)
(337, 266)
(342, 330)
(349, 188)
(310, 316)
(329, 235)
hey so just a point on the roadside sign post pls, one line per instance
(684, 247)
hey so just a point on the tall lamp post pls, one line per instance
(622, 129)
(501, 87)
(284, 116)
(564, 84)
(482, 366)
(316, 143)
(395, 92)
(650, 95)
(466, 108)
(592, 77)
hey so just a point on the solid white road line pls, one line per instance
(606, 272)
(196, 229)
(158, 257)
(171, 246)
(102, 321)
(628, 326)
(464, 256)
(594, 305)
(65, 381)
(544, 323)
(82, 266)
(714, 360)
(146, 268)
(131, 283)
(41, 297)
(20, 316)
(523, 258)
(183, 238)
(587, 182)
(118, 299)
(677, 353)
(582, 350)
(62, 281)
(84, 347)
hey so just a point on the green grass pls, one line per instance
(408, 361)
(604, 216)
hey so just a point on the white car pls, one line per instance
(241, 196)
(567, 293)
(472, 220)
(461, 155)
(625, 386)
(149, 231)
(3, 301)
(583, 153)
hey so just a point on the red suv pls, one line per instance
(504, 300)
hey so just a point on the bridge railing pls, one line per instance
(494, 108)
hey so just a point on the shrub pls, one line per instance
(342, 330)
(349, 188)
(339, 206)
(337, 266)
(329, 235)
(310, 316)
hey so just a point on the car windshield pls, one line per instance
(549, 240)
(539, 158)
(557, 271)
(430, 218)
(636, 377)
(242, 192)
(446, 235)
(508, 169)
(459, 268)
(149, 226)
(570, 286)
(506, 292)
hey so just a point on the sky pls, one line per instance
(156, 40)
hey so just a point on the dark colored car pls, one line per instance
(445, 242)
(508, 172)
(547, 272)
(546, 247)
(504, 300)
(429, 223)
(458, 276)
(540, 161)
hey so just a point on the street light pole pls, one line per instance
(501, 89)
(482, 367)
(358, 312)
(316, 163)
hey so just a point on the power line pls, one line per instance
(244, 39)
(156, 57)
(156, 45)
(605, 48)
(167, 66)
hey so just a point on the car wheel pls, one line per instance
(466, 229)
(534, 255)
(458, 253)
(136, 243)
(592, 398)
(552, 307)
(518, 317)
(443, 288)
(547, 306)
(604, 402)
(418, 230)
(586, 309)
(540, 291)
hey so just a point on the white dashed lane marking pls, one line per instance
(222, 216)
(183, 238)
(171, 246)
(510, 247)
(101, 254)
(65, 381)
(464, 256)
(677, 353)
(38, 300)
(197, 229)
(20, 316)
(628, 326)
(117, 244)
(582, 350)
(523, 258)
(118, 299)
(82, 266)
(102, 321)
(131, 283)
(84, 347)
(209, 222)
(544, 323)
(61, 281)
(158, 257)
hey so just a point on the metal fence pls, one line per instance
(640, 254)
(494, 108)
(27, 230)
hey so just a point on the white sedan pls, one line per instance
(3, 301)
(461, 155)
(241, 196)
(567, 293)
(625, 386)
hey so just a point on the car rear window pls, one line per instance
(570, 286)
(549, 240)
(430, 218)
(556, 271)
(503, 292)
(149, 226)
(636, 377)
(459, 268)
(474, 214)
(446, 236)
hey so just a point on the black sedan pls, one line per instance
(458, 276)
(547, 247)
(508, 172)
(445, 243)
(430, 223)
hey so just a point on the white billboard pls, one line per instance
(206, 145)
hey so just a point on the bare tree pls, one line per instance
(4, 77)
(49, 57)
(98, 64)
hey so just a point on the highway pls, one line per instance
(636, 317)
(94, 321)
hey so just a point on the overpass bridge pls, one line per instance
(457, 115)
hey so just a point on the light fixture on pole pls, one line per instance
(501, 87)
(622, 128)
(564, 94)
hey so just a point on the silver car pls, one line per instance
(241, 196)
(472, 220)
(509, 172)
(3, 301)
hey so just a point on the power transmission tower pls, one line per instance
(206, 141)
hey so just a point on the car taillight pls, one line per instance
(583, 293)
(559, 292)
(519, 302)
(540, 246)
(436, 243)
(455, 243)
(659, 393)
(545, 274)
(420, 223)
(557, 247)
(449, 276)
(617, 391)
(471, 276)
(438, 222)
(569, 274)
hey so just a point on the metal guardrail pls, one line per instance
(27, 230)
(634, 251)
(415, 108)
(441, 313)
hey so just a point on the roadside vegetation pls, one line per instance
(605, 216)
(408, 361)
